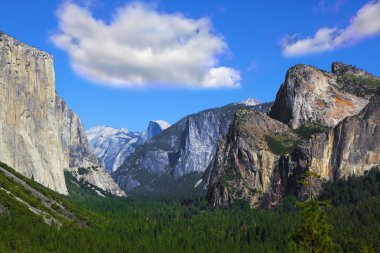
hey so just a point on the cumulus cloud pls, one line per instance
(142, 47)
(366, 23)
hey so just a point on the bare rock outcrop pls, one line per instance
(245, 166)
(313, 96)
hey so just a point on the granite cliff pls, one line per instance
(312, 96)
(261, 159)
(245, 167)
(39, 135)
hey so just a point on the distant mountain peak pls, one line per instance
(113, 145)
(249, 102)
(154, 128)
(162, 123)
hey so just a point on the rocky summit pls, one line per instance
(321, 122)
(312, 96)
(263, 157)
(39, 135)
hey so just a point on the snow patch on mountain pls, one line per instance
(113, 145)
(249, 102)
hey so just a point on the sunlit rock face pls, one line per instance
(313, 96)
(39, 134)
(112, 145)
(249, 166)
(352, 147)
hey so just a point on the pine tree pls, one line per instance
(314, 232)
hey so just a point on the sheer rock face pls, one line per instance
(73, 137)
(29, 137)
(352, 147)
(188, 146)
(39, 134)
(155, 127)
(310, 95)
(244, 166)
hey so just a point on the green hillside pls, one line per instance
(85, 222)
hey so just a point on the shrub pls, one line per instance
(282, 143)
(82, 171)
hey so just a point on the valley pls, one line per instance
(172, 224)
(296, 173)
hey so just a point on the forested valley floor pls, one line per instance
(175, 224)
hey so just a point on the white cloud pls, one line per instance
(366, 23)
(222, 75)
(142, 47)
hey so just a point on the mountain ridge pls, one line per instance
(185, 148)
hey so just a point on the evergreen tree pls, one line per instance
(314, 233)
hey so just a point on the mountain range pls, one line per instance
(322, 122)
(112, 145)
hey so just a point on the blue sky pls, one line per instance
(238, 49)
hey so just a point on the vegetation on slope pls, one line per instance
(188, 225)
(363, 86)
(370, 83)
(281, 143)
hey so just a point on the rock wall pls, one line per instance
(29, 137)
(39, 134)
(351, 148)
(245, 167)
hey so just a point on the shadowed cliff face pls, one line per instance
(246, 165)
(39, 134)
(260, 159)
(313, 96)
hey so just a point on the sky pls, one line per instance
(122, 63)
